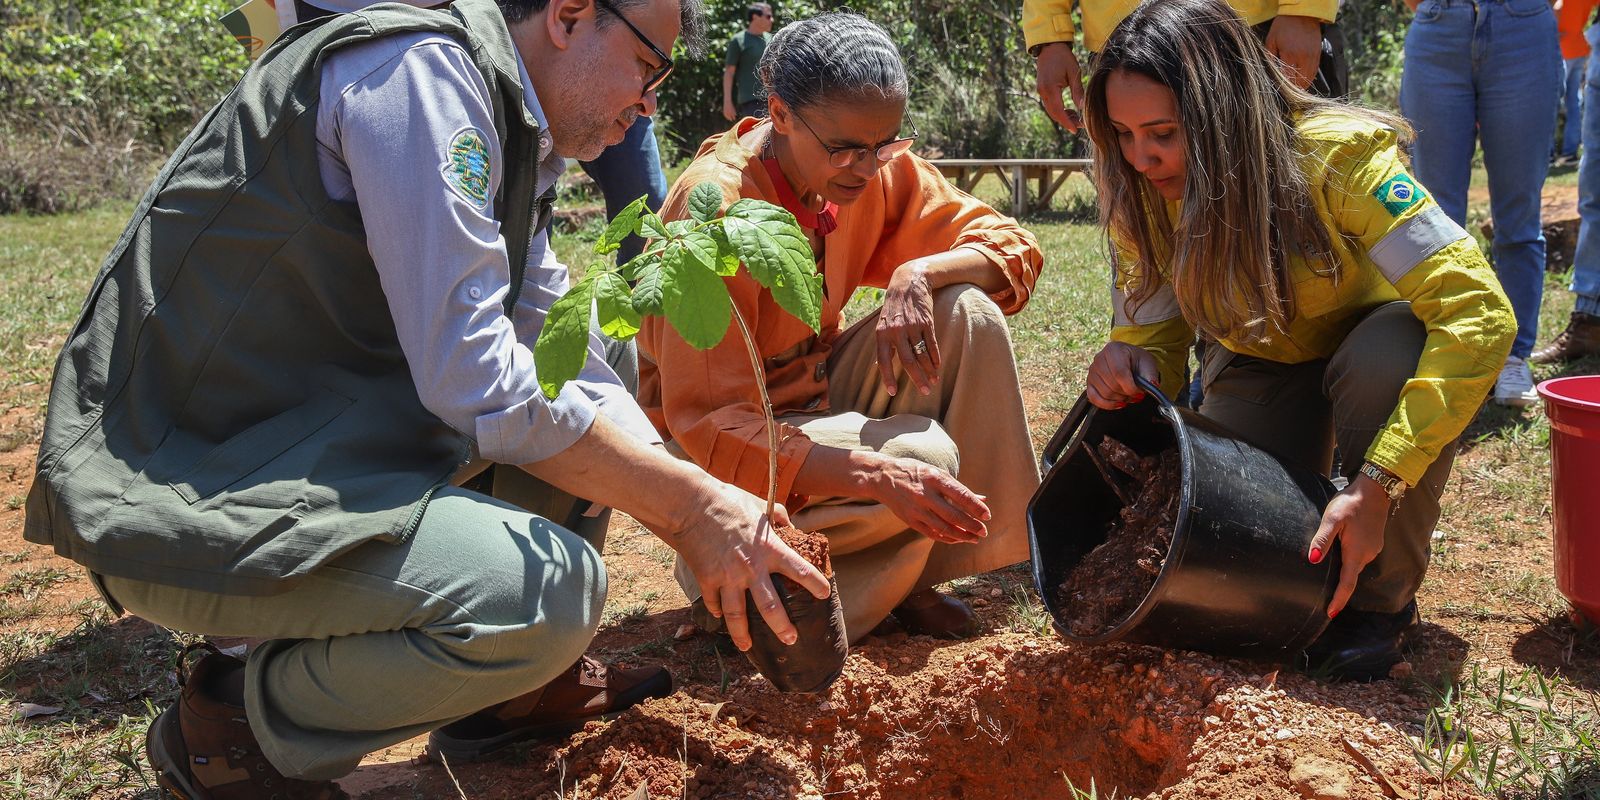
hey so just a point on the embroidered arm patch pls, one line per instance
(1399, 193)
(466, 167)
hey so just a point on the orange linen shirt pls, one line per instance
(707, 400)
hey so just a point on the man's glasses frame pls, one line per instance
(846, 157)
(661, 74)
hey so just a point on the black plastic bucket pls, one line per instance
(1236, 580)
(817, 656)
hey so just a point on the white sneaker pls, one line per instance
(1514, 387)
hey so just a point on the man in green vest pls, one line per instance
(322, 310)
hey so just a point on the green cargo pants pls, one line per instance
(1299, 412)
(485, 602)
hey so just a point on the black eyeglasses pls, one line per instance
(846, 157)
(661, 74)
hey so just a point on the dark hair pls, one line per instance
(830, 56)
(756, 10)
(1247, 207)
(691, 18)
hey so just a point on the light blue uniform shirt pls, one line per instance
(388, 114)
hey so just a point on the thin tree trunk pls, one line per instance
(766, 407)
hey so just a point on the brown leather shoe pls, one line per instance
(202, 748)
(1581, 338)
(930, 613)
(588, 690)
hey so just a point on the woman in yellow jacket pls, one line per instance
(1345, 306)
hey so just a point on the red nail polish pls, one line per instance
(1332, 614)
(1138, 398)
(1316, 555)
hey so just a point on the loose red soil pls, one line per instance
(1008, 715)
(813, 547)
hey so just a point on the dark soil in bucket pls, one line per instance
(1110, 582)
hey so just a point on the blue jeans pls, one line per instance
(626, 171)
(1586, 260)
(1572, 102)
(1490, 70)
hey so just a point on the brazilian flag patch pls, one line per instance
(466, 167)
(1399, 193)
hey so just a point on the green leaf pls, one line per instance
(647, 296)
(695, 300)
(624, 224)
(563, 343)
(699, 246)
(636, 265)
(612, 301)
(679, 227)
(779, 257)
(705, 200)
(651, 226)
(727, 256)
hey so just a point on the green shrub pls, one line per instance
(93, 90)
(971, 78)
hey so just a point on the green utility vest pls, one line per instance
(233, 408)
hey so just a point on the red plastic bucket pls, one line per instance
(1573, 407)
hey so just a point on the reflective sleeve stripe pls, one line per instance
(1413, 241)
(1162, 306)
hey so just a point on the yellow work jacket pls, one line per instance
(1393, 242)
(1046, 21)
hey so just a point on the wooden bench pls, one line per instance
(1015, 174)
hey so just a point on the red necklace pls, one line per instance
(823, 222)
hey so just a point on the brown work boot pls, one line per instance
(586, 691)
(933, 613)
(202, 748)
(1581, 338)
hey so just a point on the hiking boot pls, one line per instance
(202, 748)
(1361, 645)
(1514, 387)
(586, 691)
(931, 613)
(1581, 338)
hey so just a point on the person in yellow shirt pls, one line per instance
(903, 437)
(1301, 33)
(1344, 305)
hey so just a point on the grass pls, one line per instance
(110, 677)
(1515, 735)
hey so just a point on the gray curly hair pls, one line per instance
(833, 56)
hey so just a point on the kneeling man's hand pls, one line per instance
(731, 548)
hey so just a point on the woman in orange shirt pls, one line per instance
(877, 420)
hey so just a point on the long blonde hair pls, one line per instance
(1247, 206)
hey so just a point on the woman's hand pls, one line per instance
(1110, 384)
(929, 500)
(1356, 517)
(905, 329)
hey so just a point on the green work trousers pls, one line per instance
(485, 602)
(1300, 411)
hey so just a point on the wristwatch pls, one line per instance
(1391, 483)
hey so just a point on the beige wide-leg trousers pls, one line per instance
(972, 424)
